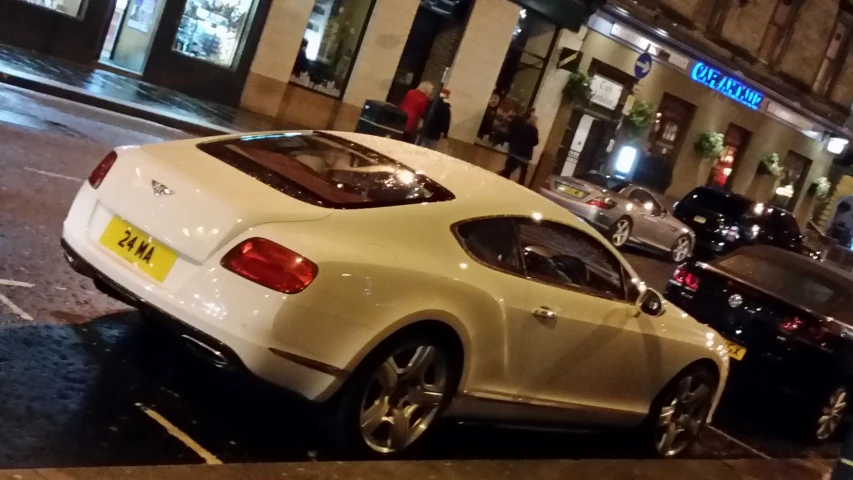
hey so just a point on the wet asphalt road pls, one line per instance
(77, 378)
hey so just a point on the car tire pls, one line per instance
(680, 250)
(828, 417)
(412, 376)
(679, 412)
(619, 233)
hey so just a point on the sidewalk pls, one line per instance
(453, 470)
(111, 91)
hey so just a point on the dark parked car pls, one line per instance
(787, 321)
(724, 221)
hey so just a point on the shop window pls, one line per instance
(671, 123)
(330, 44)
(211, 30)
(72, 8)
(831, 61)
(780, 23)
(795, 169)
(735, 142)
(518, 82)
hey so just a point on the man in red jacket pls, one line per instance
(415, 104)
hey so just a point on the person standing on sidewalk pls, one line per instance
(437, 125)
(415, 105)
(523, 138)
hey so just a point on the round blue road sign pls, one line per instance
(643, 65)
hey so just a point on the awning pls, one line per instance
(569, 14)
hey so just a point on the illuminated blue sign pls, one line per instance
(728, 86)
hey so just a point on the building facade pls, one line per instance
(769, 76)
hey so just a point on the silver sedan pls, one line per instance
(624, 212)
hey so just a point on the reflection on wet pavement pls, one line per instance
(105, 84)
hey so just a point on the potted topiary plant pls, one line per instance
(820, 188)
(769, 165)
(709, 145)
(638, 121)
(578, 88)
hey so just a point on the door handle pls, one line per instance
(544, 313)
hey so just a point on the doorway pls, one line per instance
(584, 152)
(735, 142)
(431, 47)
(131, 33)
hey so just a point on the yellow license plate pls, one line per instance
(571, 191)
(700, 219)
(137, 247)
(735, 351)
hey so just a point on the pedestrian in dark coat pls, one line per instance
(438, 125)
(523, 138)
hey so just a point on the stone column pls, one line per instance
(381, 48)
(478, 63)
(276, 54)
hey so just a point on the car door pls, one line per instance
(585, 347)
(649, 225)
(493, 243)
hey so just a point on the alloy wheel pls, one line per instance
(621, 232)
(682, 417)
(403, 397)
(681, 249)
(831, 415)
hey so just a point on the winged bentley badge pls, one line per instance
(160, 189)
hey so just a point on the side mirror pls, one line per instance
(650, 302)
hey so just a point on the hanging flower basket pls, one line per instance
(638, 121)
(709, 145)
(769, 165)
(821, 188)
(578, 88)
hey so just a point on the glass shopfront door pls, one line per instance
(131, 33)
(200, 47)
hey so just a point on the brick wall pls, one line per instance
(745, 25)
(842, 93)
(684, 8)
(810, 40)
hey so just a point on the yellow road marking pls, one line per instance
(174, 431)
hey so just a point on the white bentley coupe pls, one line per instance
(394, 284)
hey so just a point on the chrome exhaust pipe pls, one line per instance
(206, 352)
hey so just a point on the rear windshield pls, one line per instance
(799, 286)
(327, 171)
(720, 202)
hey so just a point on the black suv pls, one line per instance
(724, 221)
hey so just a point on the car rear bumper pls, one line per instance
(799, 370)
(597, 217)
(222, 330)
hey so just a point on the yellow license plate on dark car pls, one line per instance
(571, 191)
(735, 351)
(137, 247)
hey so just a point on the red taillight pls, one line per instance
(691, 281)
(682, 277)
(605, 204)
(96, 178)
(271, 265)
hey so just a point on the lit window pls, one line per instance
(68, 7)
(519, 78)
(211, 30)
(330, 44)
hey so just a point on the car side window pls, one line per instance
(646, 199)
(565, 257)
(492, 241)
